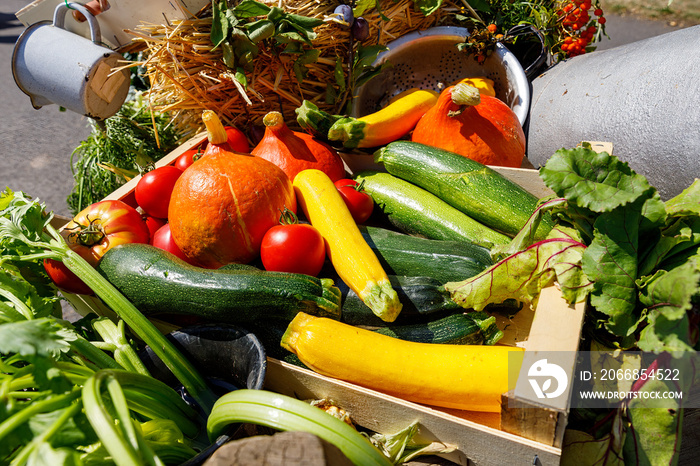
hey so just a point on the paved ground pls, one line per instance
(37, 144)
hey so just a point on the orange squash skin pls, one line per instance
(294, 151)
(223, 205)
(489, 133)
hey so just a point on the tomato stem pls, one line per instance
(287, 217)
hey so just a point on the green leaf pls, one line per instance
(677, 237)
(220, 25)
(610, 261)
(291, 36)
(687, 202)
(428, 7)
(40, 337)
(21, 299)
(46, 455)
(260, 30)
(308, 57)
(305, 22)
(339, 74)
(667, 299)
(522, 275)
(250, 9)
(362, 6)
(654, 421)
(597, 181)
(603, 451)
(241, 77)
(74, 431)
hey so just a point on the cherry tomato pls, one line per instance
(358, 201)
(92, 232)
(187, 158)
(237, 140)
(293, 247)
(163, 239)
(154, 189)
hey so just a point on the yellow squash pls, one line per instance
(386, 125)
(468, 377)
(484, 85)
(353, 259)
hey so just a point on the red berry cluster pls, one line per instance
(579, 28)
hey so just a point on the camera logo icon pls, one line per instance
(542, 373)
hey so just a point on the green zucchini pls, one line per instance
(475, 328)
(157, 282)
(444, 261)
(415, 211)
(469, 186)
(420, 297)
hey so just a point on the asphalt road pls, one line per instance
(38, 143)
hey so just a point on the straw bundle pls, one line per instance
(187, 77)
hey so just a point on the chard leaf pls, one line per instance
(654, 422)
(528, 233)
(678, 236)
(667, 299)
(610, 261)
(523, 274)
(597, 181)
(603, 451)
(687, 202)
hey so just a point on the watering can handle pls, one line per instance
(59, 16)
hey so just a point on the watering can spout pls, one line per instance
(39, 101)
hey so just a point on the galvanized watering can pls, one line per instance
(642, 97)
(53, 65)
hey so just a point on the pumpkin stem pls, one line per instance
(216, 133)
(273, 120)
(465, 96)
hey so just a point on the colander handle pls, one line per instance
(524, 30)
(59, 19)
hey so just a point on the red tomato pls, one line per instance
(237, 140)
(153, 224)
(154, 189)
(295, 248)
(65, 279)
(164, 240)
(187, 158)
(92, 232)
(358, 201)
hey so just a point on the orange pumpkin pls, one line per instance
(295, 151)
(479, 127)
(224, 203)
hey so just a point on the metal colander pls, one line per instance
(429, 59)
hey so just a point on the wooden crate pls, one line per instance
(526, 431)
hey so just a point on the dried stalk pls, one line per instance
(186, 76)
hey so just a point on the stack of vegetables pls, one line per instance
(405, 262)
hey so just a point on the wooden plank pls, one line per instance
(477, 443)
(555, 333)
